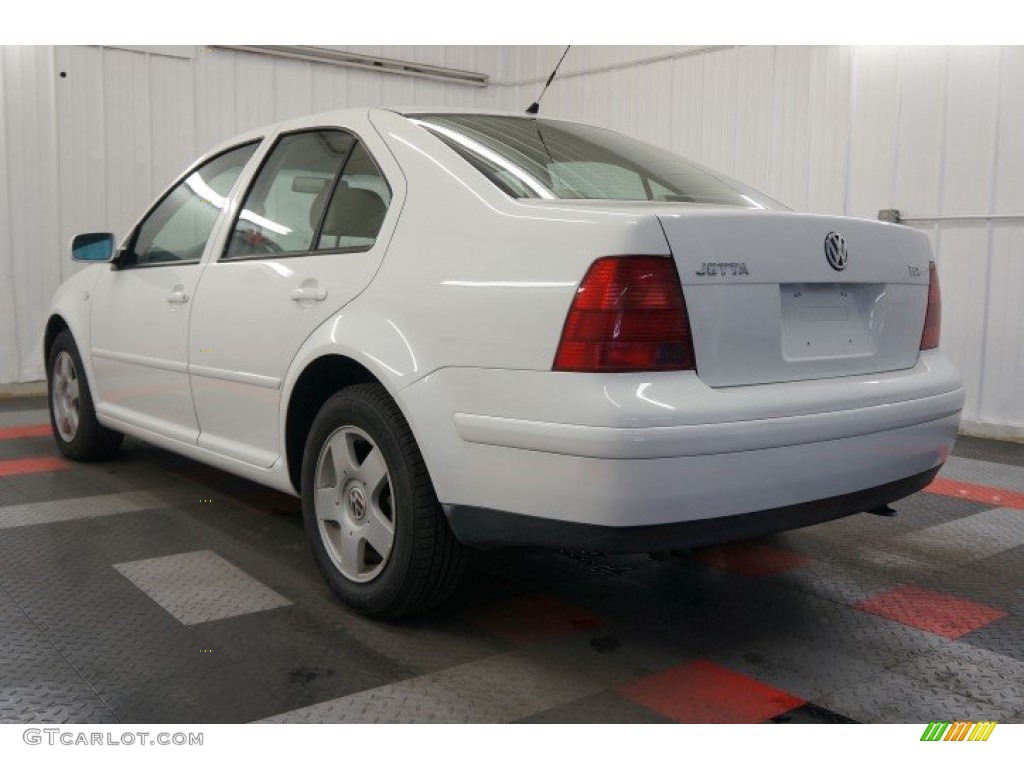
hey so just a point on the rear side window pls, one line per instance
(177, 228)
(530, 157)
(316, 190)
(358, 205)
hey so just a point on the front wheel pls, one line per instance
(377, 531)
(78, 434)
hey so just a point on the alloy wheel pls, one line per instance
(65, 396)
(354, 504)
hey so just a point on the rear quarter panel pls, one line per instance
(473, 278)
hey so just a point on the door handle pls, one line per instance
(309, 293)
(177, 295)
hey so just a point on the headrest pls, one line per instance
(354, 212)
(317, 207)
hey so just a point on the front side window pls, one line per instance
(318, 190)
(531, 157)
(177, 229)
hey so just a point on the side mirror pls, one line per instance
(94, 247)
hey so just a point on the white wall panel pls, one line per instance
(214, 83)
(654, 118)
(329, 87)
(961, 255)
(829, 116)
(254, 89)
(920, 131)
(686, 98)
(1001, 400)
(31, 176)
(789, 161)
(718, 110)
(969, 147)
(756, 79)
(1002, 393)
(364, 88)
(873, 124)
(293, 89)
(81, 126)
(172, 119)
(9, 347)
(1009, 191)
(128, 148)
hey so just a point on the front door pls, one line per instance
(141, 305)
(304, 244)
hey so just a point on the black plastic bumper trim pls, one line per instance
(489, 528)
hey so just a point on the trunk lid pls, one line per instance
(765, 305)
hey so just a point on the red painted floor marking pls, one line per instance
(532, 619)
(29, 466)
(31, 430)
(751, 558)
(997, 497)
(934, 612)
(703, 692)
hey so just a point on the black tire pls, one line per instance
(91, 441)
(425, 561)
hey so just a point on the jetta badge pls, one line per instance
(723, 268)
(835, 251)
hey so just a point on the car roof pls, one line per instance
(341, 115)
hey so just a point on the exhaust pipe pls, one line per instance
(884, 511)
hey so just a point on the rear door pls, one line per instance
(140, 307)
(310, 234)
(768, 304)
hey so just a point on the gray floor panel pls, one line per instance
(41, 512)
(894, 698)
(196, 587)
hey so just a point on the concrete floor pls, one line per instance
(153, 589)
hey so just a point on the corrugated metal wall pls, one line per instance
(90, 150)
(931, 131)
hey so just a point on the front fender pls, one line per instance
(72, 302)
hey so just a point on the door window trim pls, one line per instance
(133, 237)
(223, 258)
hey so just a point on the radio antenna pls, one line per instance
(534, 108)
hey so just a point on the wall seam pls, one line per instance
(850, 98)
(5, 137)
(899, 127)
(991, 237)
(103, 133)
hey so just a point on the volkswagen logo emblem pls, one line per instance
(835, 251)
(357, 502)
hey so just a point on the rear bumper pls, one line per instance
(490, 529)
(632, 452)
(702, 439)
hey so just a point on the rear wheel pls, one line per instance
(376, 528)
(78, 434)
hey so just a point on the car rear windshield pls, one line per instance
(531, 157)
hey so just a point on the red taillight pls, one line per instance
(628, 315)
(932, 317)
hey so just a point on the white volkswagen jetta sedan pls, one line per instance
(448, 329)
